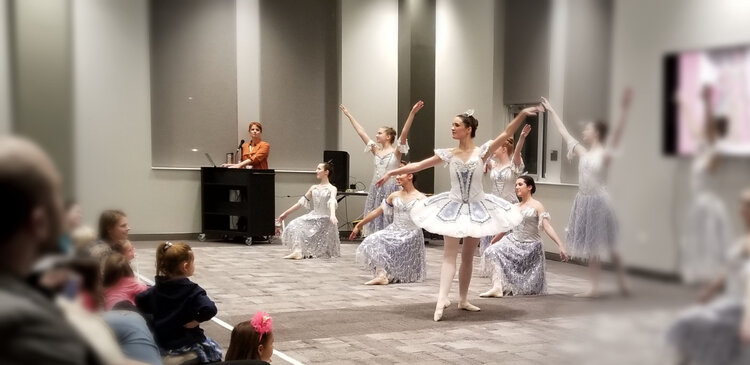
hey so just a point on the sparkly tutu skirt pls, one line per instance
(709, 334)
(592, 228)
(400, 252)
(374, 197)
(314, 235)
(486, 216)
(518, 265)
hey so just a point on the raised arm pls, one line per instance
(517, 160)
(407, 126)
(578, 149)
(357, 127)
(410, 168)
(511, 128)
(614, 139)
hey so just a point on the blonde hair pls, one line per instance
(82, 237)
(257, 124)
(390, 132)
(170, 257)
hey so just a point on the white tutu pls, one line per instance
(465, 211)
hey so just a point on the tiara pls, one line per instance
(469, 113)
(167, 245)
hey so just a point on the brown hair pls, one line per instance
(602, 128)
(116, 268)
(169, 258)
(509, 144)
(391, 133)
(470, 121)
(257, 124)
(529, 181)
(328, 166)
(108, 220)
(245, 342)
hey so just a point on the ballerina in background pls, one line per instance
(386, 151)
(395, 253)
(465, 212)
(707, 233)
(504, 171)
(316, 233)
(517, 261)
(592, 227)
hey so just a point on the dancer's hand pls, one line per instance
(415, 109)
(355, 233)
(334, 221)
(191, 324)
(383, 179)
(343, 109)
(526, 130)
(532, 110)
(281, 217)
(745, 332)
(546, 104)
(564, 255)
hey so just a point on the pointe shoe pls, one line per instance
(468, 307)
(296, 255)
(492, 293)
(380, 280)
(439, 311)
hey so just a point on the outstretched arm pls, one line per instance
(357, 127)
(407, 126)
(410, 168)
(517, 160)
(511, 128)
(578, 149)
(296, 206)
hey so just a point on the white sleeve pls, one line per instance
(403, 148)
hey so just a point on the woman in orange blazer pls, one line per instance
(255, 152)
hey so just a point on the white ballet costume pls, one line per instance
(707, 234)
(503, 185)
(465, 210)
(592, 227)
(313, 234)
(517, 261)
(708, 334)
(376, 194)
(398, 248)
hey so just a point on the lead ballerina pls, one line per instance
(465, 211)
(386, 151)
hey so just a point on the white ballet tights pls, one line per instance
(448, 270)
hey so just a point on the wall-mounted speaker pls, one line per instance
(340, 160)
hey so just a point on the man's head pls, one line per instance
(31, 209)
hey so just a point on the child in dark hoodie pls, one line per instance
(176, 306)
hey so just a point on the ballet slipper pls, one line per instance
(439, 307)
(492, 293)
(468, 307)
(380, 280)
(296, 255)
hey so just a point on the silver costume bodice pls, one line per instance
(504, 181)
(322, 199)
(400, 211)
(466, 177)
(592, 172)
(528, 229)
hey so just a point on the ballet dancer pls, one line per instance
(465, 211)
(386, 151)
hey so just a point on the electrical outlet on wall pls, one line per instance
(553, 155)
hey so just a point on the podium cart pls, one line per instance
(237, 202)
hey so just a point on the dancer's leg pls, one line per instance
(295, 255)
(620, 270)
(466, 271)
(497, 285)
(447, 272)
(594, 270)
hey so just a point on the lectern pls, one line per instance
(237, 202)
